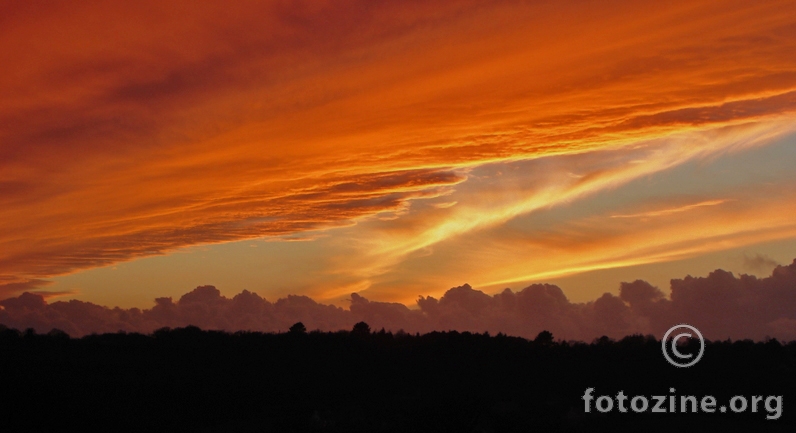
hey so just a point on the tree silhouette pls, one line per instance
(544, 338)
(361, 328)
(298, 328)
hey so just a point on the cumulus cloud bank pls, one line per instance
(721, 305)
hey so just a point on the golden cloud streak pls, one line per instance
(670, 211)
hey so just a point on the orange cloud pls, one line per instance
(487, 206)
(670, 211)
(602, 242)
(132, 130)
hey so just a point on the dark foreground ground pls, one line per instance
(205, 381)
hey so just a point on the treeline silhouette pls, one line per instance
(187, 379)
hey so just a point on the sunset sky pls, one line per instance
(391, 148)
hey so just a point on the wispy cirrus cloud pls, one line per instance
(664, 212)
(486, 203)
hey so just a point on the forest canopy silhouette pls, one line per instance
(361, 380)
